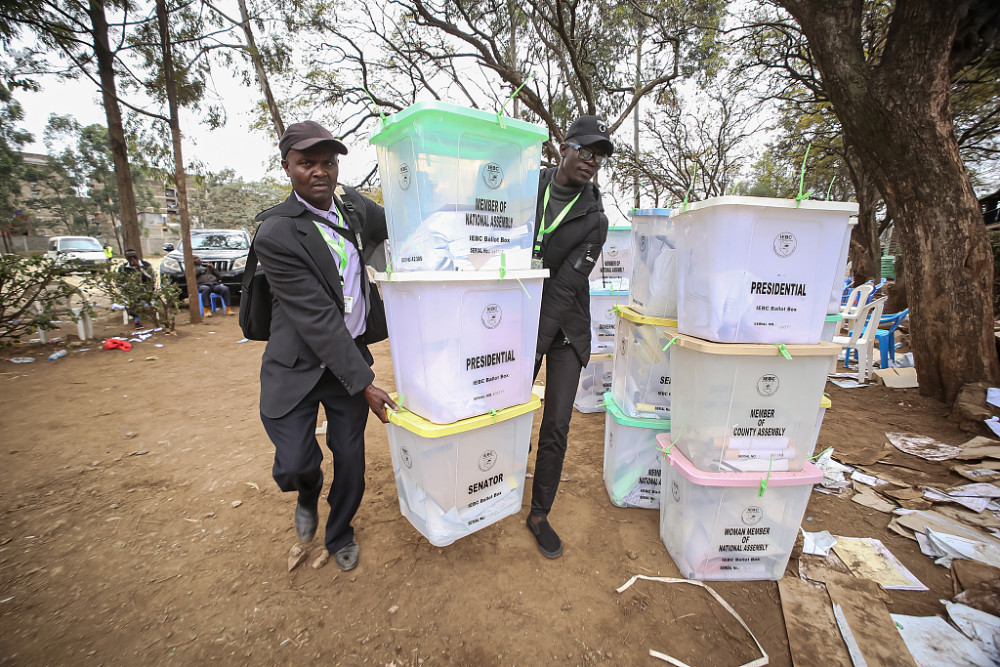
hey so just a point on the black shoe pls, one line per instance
(306, 520)
(548, 542)
(347, 557)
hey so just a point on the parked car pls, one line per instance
(77, 253)
(225, 249)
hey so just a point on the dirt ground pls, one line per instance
(140, 525)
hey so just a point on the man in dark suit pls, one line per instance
(324, 315)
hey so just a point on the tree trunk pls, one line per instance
(896, 114)
(258, 64)
(116, 130)
(635, 119)
(865, 253)
(179, 175)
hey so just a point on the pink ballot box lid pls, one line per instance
(809, 474)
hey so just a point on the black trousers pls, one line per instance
(297, 455)
(215, 288)
(562, 377)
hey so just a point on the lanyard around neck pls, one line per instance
(558, 219)
(336, 245)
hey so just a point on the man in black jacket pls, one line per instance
(570, 229)
(323, 316)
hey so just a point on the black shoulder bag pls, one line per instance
(255, 300)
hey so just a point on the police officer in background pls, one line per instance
(570, 230)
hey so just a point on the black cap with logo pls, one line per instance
(591, 131)
(307, 134)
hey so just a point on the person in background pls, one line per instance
(109, 252)
(324, 315)
(142, 271)
(209, 283)
(570, 230)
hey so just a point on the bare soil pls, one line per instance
(140, 525)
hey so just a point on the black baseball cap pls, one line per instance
(306, 134)
(591, 131)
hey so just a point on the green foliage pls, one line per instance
(151, 303)
(33, 293)
(77, 182)
(225, 201)
(11, 164)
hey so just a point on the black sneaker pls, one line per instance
(548, 542)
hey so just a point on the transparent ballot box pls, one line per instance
(744, 407)
(459, 187)
(758, 270)
(653, 287)
(632, 458)
(595, 380)
(719, 526)
(462, 343)
(603, 318)
(455, 479)
(614, 267)
(641, 385)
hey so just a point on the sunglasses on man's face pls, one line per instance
(587, 154)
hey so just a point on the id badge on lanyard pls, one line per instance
(348, 304)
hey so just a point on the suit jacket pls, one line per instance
(569, 253)
(308, 333)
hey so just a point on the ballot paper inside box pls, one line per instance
(758, 270)
(632, 460)
(653, 285)
(737, 526)
(603, 318)
(613, 268)
(595, 380)
(459, 187)
(641, 384)
(462, 343)
(744, 407)
(455, 479)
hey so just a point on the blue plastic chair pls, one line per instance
(876, 288)
(886, 338)
(212, 298)
(847, 292)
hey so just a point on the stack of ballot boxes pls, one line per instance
(754, 280)
(638, 404)
(462, 306)
(608, 291)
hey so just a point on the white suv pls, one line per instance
(77, 253)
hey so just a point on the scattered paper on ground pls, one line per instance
(946, 547)
(973, 503)
(932, 641)
(866, 626)
(980, 490)
(812, 635)
(979, 448)
(993, 396)
(864, 478)
(868, 498)
(868, 558)
(834, 473)
(980, 627)
(817, 544)
(988, 471)
(846, 383)
(923, 446)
